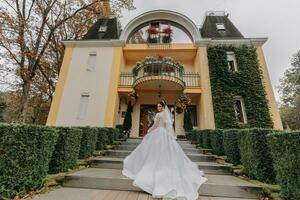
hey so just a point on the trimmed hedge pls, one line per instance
(66, 150)
(216, 138)
(102, 139)
(255, 154)
(25, 153)
(206, 143)
(285, 148)
(231, 145)
(193, 135)
(88, 142)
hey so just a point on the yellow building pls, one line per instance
(160, 54)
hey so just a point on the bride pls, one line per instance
(158, 164)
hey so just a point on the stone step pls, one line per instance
(112, 179)
(117, 163)
(185, 149)
(140, 138)
(192, 156)
(137, 143)
(66, 193)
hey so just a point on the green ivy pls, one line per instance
(246, 82)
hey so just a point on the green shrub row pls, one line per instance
(255, 154)
(267, 155)
(285, 150)
(66, 150)
(25, 153)
(231, 146)
(28, 153)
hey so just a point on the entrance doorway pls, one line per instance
(147, 114)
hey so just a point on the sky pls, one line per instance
(278, 20)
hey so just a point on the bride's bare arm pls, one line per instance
(155, 124)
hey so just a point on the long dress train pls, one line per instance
(159, 166)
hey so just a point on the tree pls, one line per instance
(128, 119)
(31, 32)
(3, 106)
(289, 90)
(188, 125)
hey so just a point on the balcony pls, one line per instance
(190, 79)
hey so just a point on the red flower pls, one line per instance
(168, 30)
(160, 57)
(152, 30)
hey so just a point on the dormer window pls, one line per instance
(220, 26)
(231, 60)
(102, 29)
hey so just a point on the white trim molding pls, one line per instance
(234, 42)
(168, 15)
(94, 43)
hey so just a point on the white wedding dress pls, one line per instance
(159, 166)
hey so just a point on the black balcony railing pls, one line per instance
(191, 79)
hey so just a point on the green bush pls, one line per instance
(205, 134)
(111, 133)
(255, 154)
(193, 135)
(88, 142)
(66, 150)
(216, 138)
(102, 140)
(285, 148)
(122, 131)
(231, 145)
(25, 153)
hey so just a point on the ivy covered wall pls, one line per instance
(246, 82)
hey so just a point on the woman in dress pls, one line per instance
(158, 164)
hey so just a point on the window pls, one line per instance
(91, 62)
(193, 111)
(232, 63)
(220, 26)
(102, 29)
(84, 100)
(239, 109)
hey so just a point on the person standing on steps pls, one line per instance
(159, 166)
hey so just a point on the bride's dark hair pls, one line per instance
(163, 103)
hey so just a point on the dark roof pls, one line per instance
(209, 28)
(112, 32)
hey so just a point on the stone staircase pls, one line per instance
(105, 173)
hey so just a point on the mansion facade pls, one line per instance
(162, 54)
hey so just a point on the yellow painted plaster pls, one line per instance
(52, 116)
(113, 96)
(269, 90)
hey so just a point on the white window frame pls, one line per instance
(220, 26)
(83, 105)
(231, 57)
(92, 60)
(243, 109)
